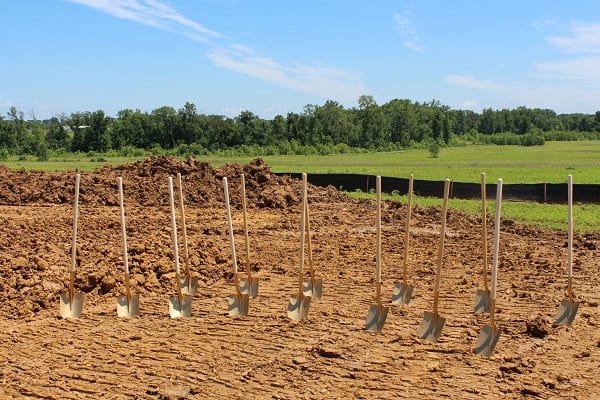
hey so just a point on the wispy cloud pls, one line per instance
(470, 104)
(565, 98)
(586, 69)
(152, 13)
(582, 38)
(472, 83)
(319, 80)
(405, 25)
(323, 81)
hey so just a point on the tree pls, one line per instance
(188, 129)
(163, 127)
(77, 123)
(97, 137)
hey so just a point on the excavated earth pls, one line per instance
(265, 355)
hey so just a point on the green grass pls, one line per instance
(515, 164)
(549, 216)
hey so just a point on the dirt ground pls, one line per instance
(265, 355)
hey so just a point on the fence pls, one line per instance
(538, 192)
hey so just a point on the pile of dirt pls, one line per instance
(145, 183)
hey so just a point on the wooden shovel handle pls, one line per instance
(302, 234)
(570, 222)
(496, 237)
(438, 273)
(407, 233)
(247, 241)
(175, 245)
(484, 231)
(174, 227)
(378, 241)
(310, 260)
(75, 223)
(123, 230)
(230, 227)
(570, 237)
(186, 256)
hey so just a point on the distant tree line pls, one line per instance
(327, 128)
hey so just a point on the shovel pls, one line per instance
(431, 327)
(238, 303)
(189, 283)
(568, 308)
(248, 285)
(180, 306)
(128, 306)
(482, 297)
(312, 287)
(71, 303)
(299, 303)
(490, 333)
(377, 312)
(403, 291)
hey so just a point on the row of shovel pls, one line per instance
(247, 287)
(485, 299)
(180, 305)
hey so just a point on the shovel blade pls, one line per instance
(128, 309)
(71, 308)
(298, 307)
(431, 327)
(402, 293)
(313, 288)
(238, 305)
(180, 310)
(482, 301)
(376, 317)
(566, 312)
(249, 286)
(189, 285)
(486, 342)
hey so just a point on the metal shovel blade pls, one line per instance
(566, 312)
(68, 308)
(238, 304)
(189, 285)
(486, 342)
(128, 309)
(298, 307)
(313, 289)
(402, 293)
(249, 286)
(482, 301)
(431, 327)
(376, 318)
(183, 310)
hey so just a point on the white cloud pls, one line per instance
(405, 25)
(472, 83)
(152, 13)
(582, 38)
(322, 81)
(586, 69)
(562, 99)
(470, 104)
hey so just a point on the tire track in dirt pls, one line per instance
(264, 355)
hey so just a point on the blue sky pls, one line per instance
(274, 57)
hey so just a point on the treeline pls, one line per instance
(327, 128)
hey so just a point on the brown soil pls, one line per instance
(265, 355)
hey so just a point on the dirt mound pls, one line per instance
(145, 183)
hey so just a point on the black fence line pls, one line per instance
(538, 192)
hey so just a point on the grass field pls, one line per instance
(515, 164)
